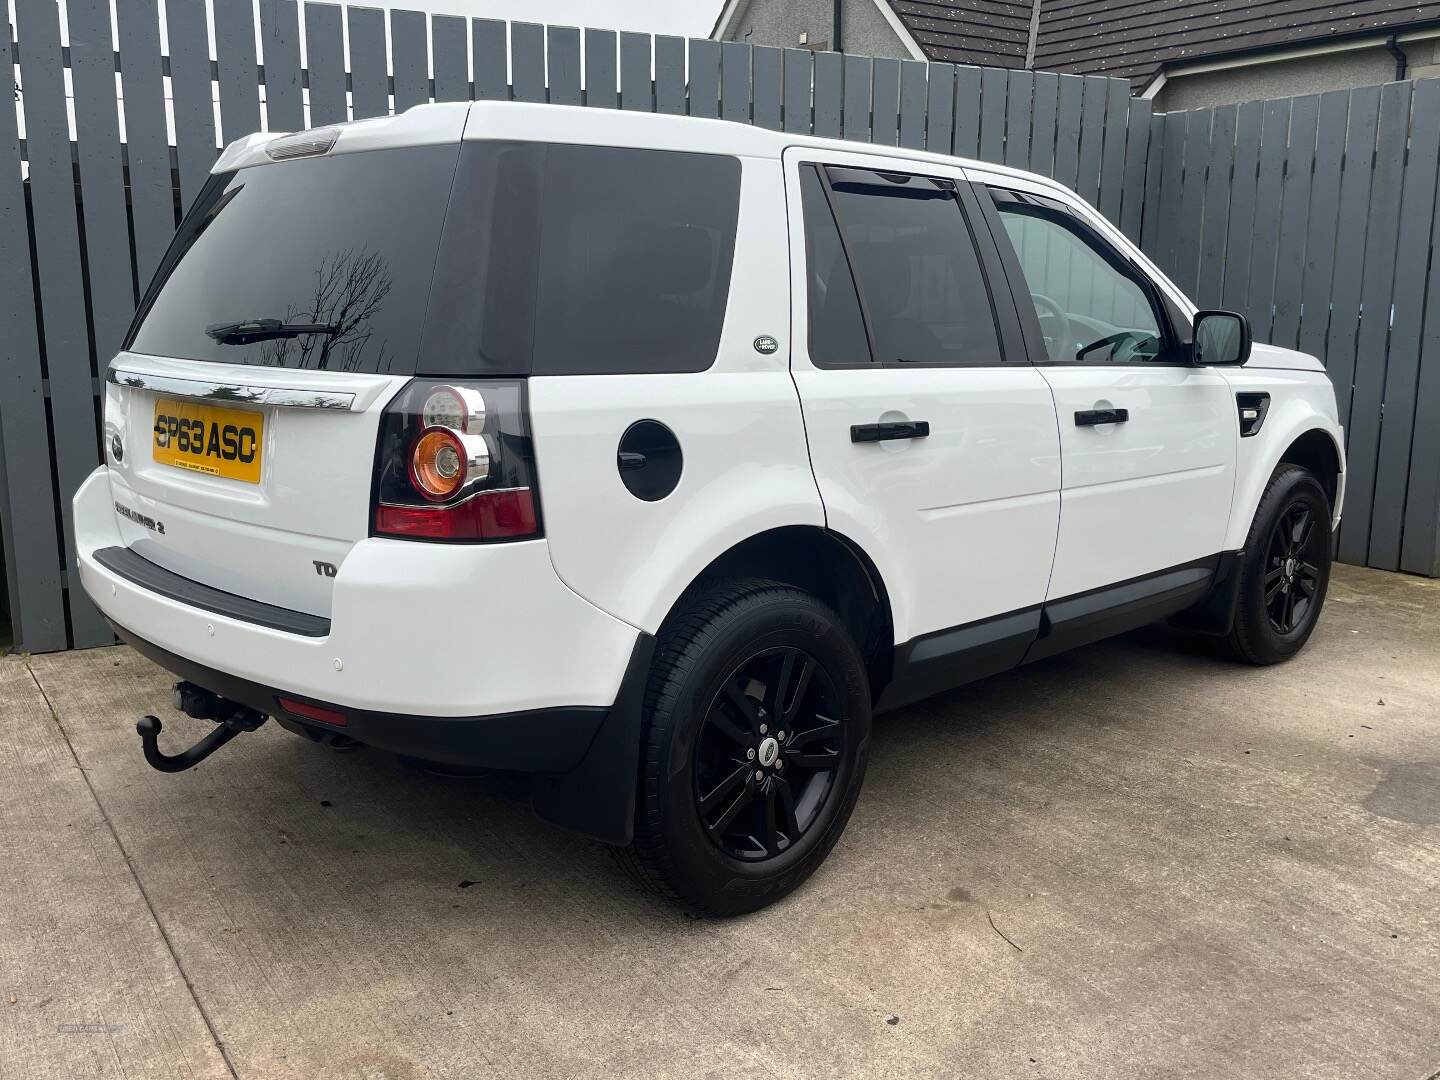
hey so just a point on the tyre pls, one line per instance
(757, 720)
(1286, 569)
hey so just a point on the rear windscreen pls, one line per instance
(551, 259)
(321, 262)
(569, 260)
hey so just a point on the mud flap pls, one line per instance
(597, 797)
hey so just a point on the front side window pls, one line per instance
(1093, 304)
(921, 293)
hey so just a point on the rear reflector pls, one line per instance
(312, 712)
(488, 515)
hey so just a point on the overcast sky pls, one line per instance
(688, 18)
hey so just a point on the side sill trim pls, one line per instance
(140, 571)
(952, 657)
(945, 659)
(1101, 613)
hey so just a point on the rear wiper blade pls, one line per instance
(249, 330)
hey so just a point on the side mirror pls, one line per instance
(1220, 337)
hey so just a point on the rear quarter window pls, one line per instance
(565, 259)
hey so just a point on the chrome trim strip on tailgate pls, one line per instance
(232, 393)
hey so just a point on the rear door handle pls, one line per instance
(899, 429)
(1091, 417)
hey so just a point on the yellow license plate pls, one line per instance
(208, 439)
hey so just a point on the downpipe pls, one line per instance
(195, 701)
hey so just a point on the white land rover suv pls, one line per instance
(649, 456)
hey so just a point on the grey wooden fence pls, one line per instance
(1317, 216)
(1267, 207)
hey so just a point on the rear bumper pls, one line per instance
(435, 631)
(583, 762)
(536, 740)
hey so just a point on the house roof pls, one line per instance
(994, 32)
(1134, 38)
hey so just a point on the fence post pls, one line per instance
(280, 42)
(192, 95)
(450, 56)
(32, 544)
(1405, 421)
(527, 62)
(1376, 310)
(57, 253)
(564, 53)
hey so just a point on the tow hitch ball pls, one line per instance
(200, 703)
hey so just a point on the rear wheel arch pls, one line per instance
(829, 566)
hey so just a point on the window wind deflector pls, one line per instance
(889, 184)
(252, 330)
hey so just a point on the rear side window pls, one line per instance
(918, 272)
(578, 260)
(342, 245)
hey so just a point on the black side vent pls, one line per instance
(1253, 408)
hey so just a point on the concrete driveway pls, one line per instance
(1133, 861)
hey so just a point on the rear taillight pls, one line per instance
(454, 462)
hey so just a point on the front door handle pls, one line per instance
(1091, 417)
(898, 429)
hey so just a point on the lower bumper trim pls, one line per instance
(142, 572)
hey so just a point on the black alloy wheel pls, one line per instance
(1284, 570)
(1292, 575)
(768, 752)
(753, 746)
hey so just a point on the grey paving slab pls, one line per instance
(88, 986)
(1205, 870)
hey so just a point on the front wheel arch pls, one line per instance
(1316, 451)
(1295, 432)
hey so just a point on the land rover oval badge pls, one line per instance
(766, 344)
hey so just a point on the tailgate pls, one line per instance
(252, 480)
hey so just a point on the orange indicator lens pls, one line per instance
(437, 464)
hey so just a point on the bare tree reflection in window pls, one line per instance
(350, 288)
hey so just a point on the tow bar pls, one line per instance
(200, 703)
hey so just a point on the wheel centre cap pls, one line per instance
(1290, 567)
(769, 751)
